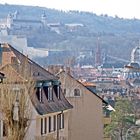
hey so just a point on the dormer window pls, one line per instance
(39, 94)
(39, 91)
(57, 91)
(50, 94)
(36, 74)
(56, 88)
(76, 92)
(47, 86)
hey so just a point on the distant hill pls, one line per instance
(117, 35)
(94, 23)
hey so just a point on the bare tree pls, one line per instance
(15, 105)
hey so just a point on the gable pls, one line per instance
(67, 79)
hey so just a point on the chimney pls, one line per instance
(54, 69)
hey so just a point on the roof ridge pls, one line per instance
(29, 60)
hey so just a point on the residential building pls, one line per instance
(86, 118)
(49, 107)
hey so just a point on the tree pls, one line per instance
(122, 119)
(15, 104)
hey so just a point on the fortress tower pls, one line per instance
(44, 19)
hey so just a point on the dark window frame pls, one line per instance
(48, 92)
(54, 123)
(77, 92)
(39, 94)
(57, 91)
(60, 121)
(43, 126)
(49, 124)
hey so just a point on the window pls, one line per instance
(36, 74)
(57, 91)
(65, 91)
(60, 121)
(76, 92)
(43, 126)
(49, 93)
(39, 94)
(49, 124)
(54, 123)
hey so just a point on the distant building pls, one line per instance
(132, 70)
(13, 22)
(135, 55)
(73, 26)
(21, 44)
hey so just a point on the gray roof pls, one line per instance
(55, 105)
(41, 74)
(38, 72)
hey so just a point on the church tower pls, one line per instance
(44, 19)
(98, 59)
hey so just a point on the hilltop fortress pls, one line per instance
(13, 21)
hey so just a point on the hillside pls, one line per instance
(117, 36)
(96, 24)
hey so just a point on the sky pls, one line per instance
(121, 8)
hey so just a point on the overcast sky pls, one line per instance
(122, 8)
